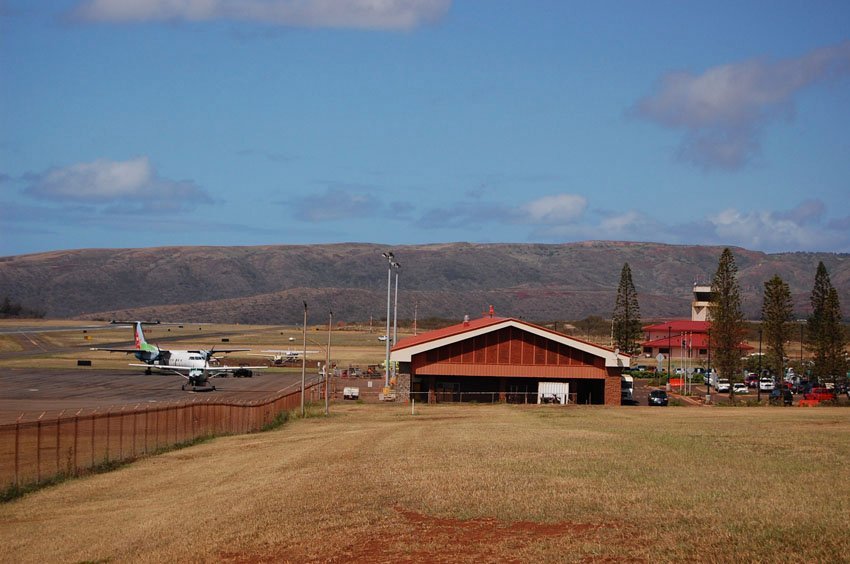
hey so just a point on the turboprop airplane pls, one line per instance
(197, 366)
(284, 356)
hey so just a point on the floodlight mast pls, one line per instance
(397, 267)
(390, 262)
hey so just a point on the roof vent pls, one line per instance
(466, 320)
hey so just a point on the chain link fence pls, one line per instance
(33, 452)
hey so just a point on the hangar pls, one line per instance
(497, 359)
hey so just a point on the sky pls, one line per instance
(140, 123)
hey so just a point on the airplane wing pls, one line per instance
(289, 352)
(217, 351)
(128, 351)
(187, 368)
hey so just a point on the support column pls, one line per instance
(503, 382)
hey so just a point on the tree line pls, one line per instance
(8, 309)
(825, 334)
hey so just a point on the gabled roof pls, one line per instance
(693, 341)
(680, 326)
(406, 348)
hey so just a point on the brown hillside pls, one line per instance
(267, 284)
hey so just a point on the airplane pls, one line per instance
(281, 357)
(197, 366)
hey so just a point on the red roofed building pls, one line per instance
(685, 340)
(495, 359)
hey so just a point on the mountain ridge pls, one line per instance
(268, 283)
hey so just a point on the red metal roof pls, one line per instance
(449, 331)
(680, 325)
(694, 341)
(479, 323)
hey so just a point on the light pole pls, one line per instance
(758, 389)
(390, 261)
(304, 360)
(669, 354)
(328, 363)
(397, 266)
(708, 372)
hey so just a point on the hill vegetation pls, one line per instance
(267, 284)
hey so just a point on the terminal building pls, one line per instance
(685, 340)
(496, 359)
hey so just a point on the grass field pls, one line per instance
(374, 483)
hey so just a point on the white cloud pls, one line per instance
(115, 182)
(724, 109)
(777, 231)
(556, 209)
(360, 14)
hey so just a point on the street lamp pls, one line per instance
(390, 262)
(304, 360)
(708, 372)
(328, 363)
(397, 266)
(758, 389)
(669, 354)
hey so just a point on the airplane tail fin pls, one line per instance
(141, 343)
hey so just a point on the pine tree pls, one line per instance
(727, 320)
(835, 367)
(776, 314)
(626, 317)
(825, 332)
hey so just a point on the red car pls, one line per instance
(821, 394)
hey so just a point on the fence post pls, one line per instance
(58, 425)
(17, 446)
(76, 441)
(108, 433)
(92, 437)
(121, 435)
(146, 430)
(38, 450)
(135, 413)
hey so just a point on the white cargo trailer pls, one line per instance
(553, 392)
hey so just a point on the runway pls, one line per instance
(29, 393)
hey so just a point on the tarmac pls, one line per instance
(28, 394)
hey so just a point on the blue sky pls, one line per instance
(135, 123)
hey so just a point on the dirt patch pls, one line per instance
(424, 538)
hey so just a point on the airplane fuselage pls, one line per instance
(181, 359)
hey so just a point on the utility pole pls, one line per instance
(416, 307)
(304, 360)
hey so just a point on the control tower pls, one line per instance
(702, 299)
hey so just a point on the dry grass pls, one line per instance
(468, 483)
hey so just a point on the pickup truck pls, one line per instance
(821, 394)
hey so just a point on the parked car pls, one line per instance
(722, 386)
(740, 388)
(766, 384)
(821, 394)
(752, 380)
(658, 397)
